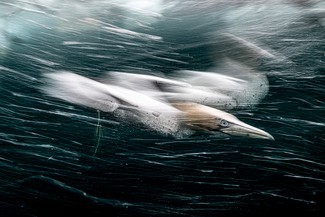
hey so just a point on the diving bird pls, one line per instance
(173, 118)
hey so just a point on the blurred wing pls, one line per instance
(129, 104)
(149, 85)
(230, 85)
(80, 90)
(176, 90)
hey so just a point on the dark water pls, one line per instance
(49, 165)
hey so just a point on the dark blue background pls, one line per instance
(47, 161)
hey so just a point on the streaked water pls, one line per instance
(59, 159)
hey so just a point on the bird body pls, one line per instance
(162, 115)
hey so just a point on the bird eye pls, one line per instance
(224, 123)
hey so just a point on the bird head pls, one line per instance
(214, 120)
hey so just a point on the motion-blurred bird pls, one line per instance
(145, 103)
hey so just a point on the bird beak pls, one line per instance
(242, 129)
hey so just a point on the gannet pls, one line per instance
(163, 116)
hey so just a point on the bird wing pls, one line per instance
(126, 103)
(80, 90)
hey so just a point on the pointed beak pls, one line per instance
(245, 130)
